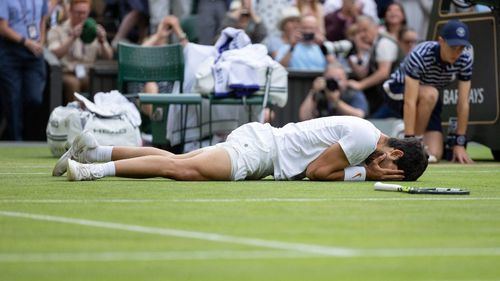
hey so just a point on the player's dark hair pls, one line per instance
(415, 159)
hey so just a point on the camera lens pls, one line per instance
(308, 36)
(332, 84)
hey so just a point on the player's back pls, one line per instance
(298, 144)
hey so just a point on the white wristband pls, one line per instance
(355, 173)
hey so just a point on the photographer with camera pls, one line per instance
(330, 95)
(304, 51)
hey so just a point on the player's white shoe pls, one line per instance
(83, 172)
(83, 142)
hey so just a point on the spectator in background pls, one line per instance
(271, 12)
(58, 12)
(168, 26)
(385, 56)
(408, 39)
(419, 15)
(394, 19)
(312, 8)
(304, 51)
(288, 24)
(158, 9)
(136, 15)
(242, 16)
(211, 13)
(77, 56)
(330, 95)
(22, 68)
(368, 7)
(337, 22)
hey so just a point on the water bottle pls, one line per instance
(450, 138)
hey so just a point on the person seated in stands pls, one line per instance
(407, 39)
(394, 20)
(312, 8)
(330, 95)
(76, 56)
(288, 25)
(242, 15)
(304, 51)
(337, 22)
(136, 14)
(384, 57)
(169, 25)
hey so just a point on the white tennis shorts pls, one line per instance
(251, 150)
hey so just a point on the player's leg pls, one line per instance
(433, 141)
(433, 137)
(213, 164)
(126, 152)
(427, 100)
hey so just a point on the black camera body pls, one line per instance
(322, 105)
(308, 37)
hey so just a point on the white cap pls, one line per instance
(288, 13)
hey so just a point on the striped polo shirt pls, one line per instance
(424, 64)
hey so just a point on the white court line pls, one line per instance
(230, 255)
(150, 256)
(215, 237)
(242, 200)
(310, 249)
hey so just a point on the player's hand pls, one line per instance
(375, 172)
(35, 47)
(460, 155)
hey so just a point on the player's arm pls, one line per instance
(332, 165)
(329, 165)
(410, 105)
(459, 152)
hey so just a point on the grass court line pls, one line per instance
(243, 200)
(310, 249)
(150, 256)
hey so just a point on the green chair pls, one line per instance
(156, 64)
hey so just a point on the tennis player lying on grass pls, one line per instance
(331, 148)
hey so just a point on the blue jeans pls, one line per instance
(22, 81)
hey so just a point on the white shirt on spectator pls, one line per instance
(386, 50)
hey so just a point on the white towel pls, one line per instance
(232, 38)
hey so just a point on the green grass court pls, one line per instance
(120, 229)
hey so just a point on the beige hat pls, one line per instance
(235, 5)
(289, 13)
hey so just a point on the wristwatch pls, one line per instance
(461, 140)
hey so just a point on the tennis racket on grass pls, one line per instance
(419, 190)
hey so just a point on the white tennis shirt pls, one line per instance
(298, 144)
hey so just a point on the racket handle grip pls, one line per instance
(387, 187)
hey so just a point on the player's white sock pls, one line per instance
(99, 154)
(108, 168)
